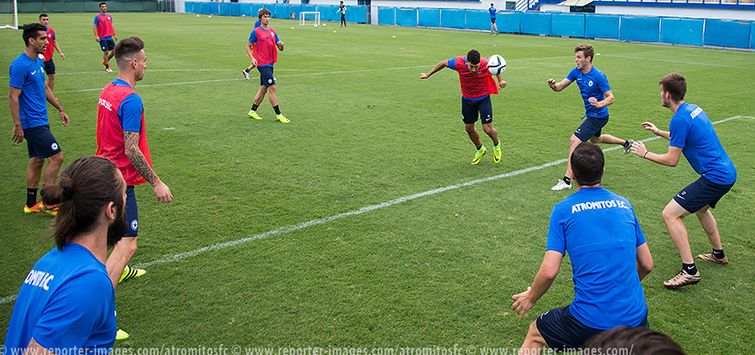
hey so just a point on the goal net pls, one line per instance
(8, 14)
(306, 18)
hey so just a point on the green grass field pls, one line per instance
(436, 270)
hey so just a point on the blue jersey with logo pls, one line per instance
(29, 75)
(593, 84)
(492, 12)
(600, 232)
(692, 131)
(67, 301)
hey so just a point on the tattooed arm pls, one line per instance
(141, 165)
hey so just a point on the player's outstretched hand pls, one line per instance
(639, 149)
(593, 101)
(552, 83)
(162, 192)
(502, 84)
(650, 127)
(18, 134)
(64, 118)
(424, 76)
(522, 303)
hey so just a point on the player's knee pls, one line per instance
(489, 129)
(669, 214)
(469, 128)
(36, 163)
(57, 159)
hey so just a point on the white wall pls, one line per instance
(677, 12)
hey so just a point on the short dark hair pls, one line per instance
(102, 3)
(126, 48)
(263, 11)
(473, 56)
(674, 84)
(586, 49)
(587, 164)
(639, 340)
(43, 15)
(31, 31)
(84, 187)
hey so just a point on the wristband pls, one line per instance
(646, 154)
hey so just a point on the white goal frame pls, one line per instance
(303, 18)
(14, 24)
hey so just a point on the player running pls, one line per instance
(476, 86)
(596, 93)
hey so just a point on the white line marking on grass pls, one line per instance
(316, 222)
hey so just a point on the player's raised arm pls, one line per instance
(558, 86)
(442, 64)
(670, 158)
(655, 130)
(501, 83)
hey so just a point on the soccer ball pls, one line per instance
(496, 64)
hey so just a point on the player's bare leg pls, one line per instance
(51, 82)
(53, 167)
(609, 139)
(705, 215)
(274, 102)
(473, 135)
(533, 342)
(673, 217)
(493, 134)
(34, 172)
(122, 253)
(573, 143)
(258, 97)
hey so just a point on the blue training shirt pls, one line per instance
(67, 301)
(492, 12)
(130, 111)
(593, 84)
(600, 232)
(257, 24)
(692, 131)
(29, 75)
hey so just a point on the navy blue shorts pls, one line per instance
(107, 45)
(562, 331)
(590, 127)
(50, 67)
(40, 142)
(701, 193)
(266, 75)
(470, 110)
(492, 20)
(132, 213)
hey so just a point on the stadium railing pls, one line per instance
(666, 30)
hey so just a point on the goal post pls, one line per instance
(309, 18)
(8, 14)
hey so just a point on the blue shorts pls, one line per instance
(50, 67)
(266, 75)
(562, 331)
(40, 142)
(701, 193)
(107, 45)
(492, 20)
(132, 213)
(590, 127)
(470, 110)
